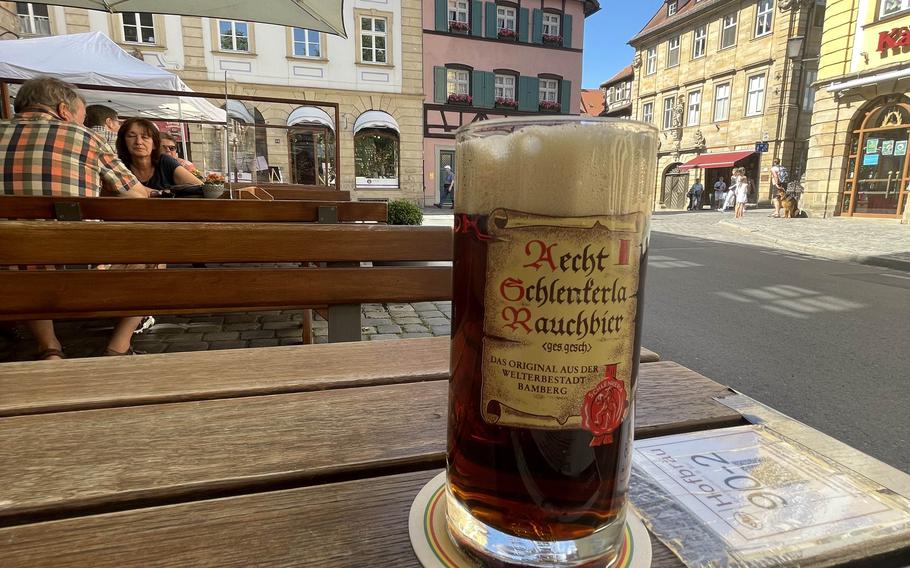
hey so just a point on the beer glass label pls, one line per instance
(559, 328)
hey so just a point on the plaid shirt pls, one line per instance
(107, 135)
(43, 155)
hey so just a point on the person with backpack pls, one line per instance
(780, 177)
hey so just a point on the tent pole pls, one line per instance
(5, 111)
(184, 131)
(337, 147)
(226, 150)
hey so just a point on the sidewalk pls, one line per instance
(878, 242)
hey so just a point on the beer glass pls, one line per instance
(551, 238)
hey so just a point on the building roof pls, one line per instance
(625, 74)
(592, 102)
(684, 10)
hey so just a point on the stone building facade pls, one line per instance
(858, 156)
(717, 77)
(375, 76)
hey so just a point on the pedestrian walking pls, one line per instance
(780, 178)
(448, 181)
(720, 193)
(743, 187)
(694, 195)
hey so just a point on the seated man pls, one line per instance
(49, 114)
(104, 121)
(169, 148)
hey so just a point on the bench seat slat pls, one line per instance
(73, 460)
(108, 293)
(191, 210)
(42, 242)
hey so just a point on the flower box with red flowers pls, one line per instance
(552, 39)
(506, 33)
(458, 27)
(213, 178)
(504, 102)
(548, 105)
(457, 99)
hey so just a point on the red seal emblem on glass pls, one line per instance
(603, 408)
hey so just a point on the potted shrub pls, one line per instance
(506, 33)
(403, 212)
(458, 27)
(552, 39)
(549, 106)
(213, 185)
(459, 99)
(503, 102)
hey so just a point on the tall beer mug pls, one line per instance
(551, 237)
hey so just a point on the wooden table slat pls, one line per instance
(351, 524)
(79, 384)
(75, 460)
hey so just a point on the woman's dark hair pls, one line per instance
(150, 129)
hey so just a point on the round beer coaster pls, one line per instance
(434, 548)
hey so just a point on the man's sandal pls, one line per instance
(108, 352)
(48, 353)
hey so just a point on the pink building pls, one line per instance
(491, 59)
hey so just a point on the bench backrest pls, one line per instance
(85, 292)
(219, 210)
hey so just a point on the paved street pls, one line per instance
(823, 341)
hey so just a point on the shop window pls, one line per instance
(376, 157)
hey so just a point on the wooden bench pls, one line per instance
(190, 210)
(84, 293)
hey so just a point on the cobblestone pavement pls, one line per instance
(87, 338)
(881, 242)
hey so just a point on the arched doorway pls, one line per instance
(878, 158)
(673, 187)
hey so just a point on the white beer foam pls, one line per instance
(566, 169)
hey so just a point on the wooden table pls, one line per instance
(287, 456)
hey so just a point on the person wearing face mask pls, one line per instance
(139, 146)
(46, 150)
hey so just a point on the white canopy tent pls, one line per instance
(93, 59)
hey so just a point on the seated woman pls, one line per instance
(139, 147)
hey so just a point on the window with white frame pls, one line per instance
(550, 24)
(728, 31)
(138, 27)
(373, 39)
(652, 61)
(233, 35)
(608, 96)
(699, 42)
(627, 91)
(672, 6)
(647, 112)
(755, 99)
(809, 94)
(669, 103)
(549, 90)
(694, 114)
(764, 17)
(890, 7)
(722, 102)
(505, 18)
(458, 82)
(306, 43)
(504, 86)
(458, 11)
(673, 52)
(33, 19)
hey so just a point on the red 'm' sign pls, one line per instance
(898, 37)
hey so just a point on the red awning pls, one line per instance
(719, 160)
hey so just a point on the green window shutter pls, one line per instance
(565, 97)
(439, 84)
(477, 88)
(489, 89)
(442, 15)
(566, 30)
(528, 93)
(537, 31)
(523, 25)
(490, 17)
(476, 18)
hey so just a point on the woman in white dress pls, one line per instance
(741, 191)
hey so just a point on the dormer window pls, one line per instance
(671, 7)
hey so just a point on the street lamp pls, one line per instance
(795, 47)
